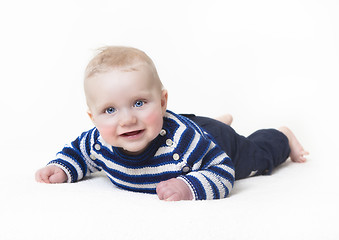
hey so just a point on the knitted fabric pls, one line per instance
(181, 150)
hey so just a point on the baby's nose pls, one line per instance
(127, 118)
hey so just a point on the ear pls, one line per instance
(90, 115)
(164, 97)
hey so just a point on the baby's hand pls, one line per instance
(50, 174)
(174, 190)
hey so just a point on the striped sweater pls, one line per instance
(181, 150)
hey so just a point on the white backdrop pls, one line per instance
(269, 63)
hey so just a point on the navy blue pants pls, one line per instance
(257, 154)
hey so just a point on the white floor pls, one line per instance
(268, 63)
(299, 201)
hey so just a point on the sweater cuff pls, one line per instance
(64, 168)
(191, 187)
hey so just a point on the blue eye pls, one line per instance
(139, 103)
(110, 110)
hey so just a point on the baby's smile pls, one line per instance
(133, 134)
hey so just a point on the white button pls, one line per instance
(176, 156)
(163, 132)
(186, 169)
(169, 142)
(92, 157)
(97, 147)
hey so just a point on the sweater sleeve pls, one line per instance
(212, 176)
(75, 158)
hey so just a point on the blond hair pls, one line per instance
(120, 58)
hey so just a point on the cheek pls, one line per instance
(154, 119)
(106, 130)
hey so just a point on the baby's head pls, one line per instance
(120, 58)
(125, 97)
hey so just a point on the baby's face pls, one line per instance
(126, 107)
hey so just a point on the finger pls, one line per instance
(45, 178)
(173, 197)
(164, 193)
(54, 178)
(57, 178)
(38, 177)
(160, 196)
(169, 195)
(160, 189)
(44, 175)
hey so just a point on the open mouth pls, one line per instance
(132, 133)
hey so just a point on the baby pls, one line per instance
(143, 147)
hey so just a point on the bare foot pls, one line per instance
(227, 119)
(297, 151)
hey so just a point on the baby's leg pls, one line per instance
(227, 119)
(297, 151)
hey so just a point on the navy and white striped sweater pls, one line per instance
(181, 150)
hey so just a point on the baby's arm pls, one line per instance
(213, 179)
(51, 174)
(174, 190)
(73, 162)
